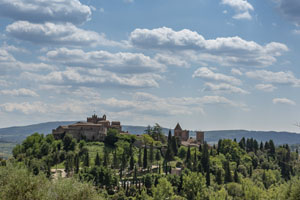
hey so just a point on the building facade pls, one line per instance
(183, 135)
(94, 129)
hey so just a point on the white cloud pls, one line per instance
(283, 101)
(207, 74)
(12, 48)
(19, 92)
(94, 78)
(56, 34)
(8, 62)
(122, 62)
(224, 87)
(236, 72)
(281, 77)
(171, 60)
(224, 50)
(40, 11)
(242, 8)
(265, 87)
(26, 107)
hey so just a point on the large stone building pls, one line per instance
(94, 129)
(183, 135)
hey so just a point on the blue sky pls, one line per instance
(208, 64)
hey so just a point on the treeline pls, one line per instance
(158, 167)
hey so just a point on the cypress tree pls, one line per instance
(131, 163)
(97, 160)
(228, 176)
(145, 158)
(169, 154)
(86, 162)
(205, 158)
(219, 177)
(242, 143)
(236, 176)
(272, 148)
(174, 146)
(261, 147)
(77, 163)
(140, 158)
(170, 137)
(105, 158)
(115, 160)
(157, 156)
(151, 153)
(208, 177)
(188, 158)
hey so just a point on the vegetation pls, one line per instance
(130, 167)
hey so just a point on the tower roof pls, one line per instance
(178, 127)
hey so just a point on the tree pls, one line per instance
(105, 157)
(151, 156)
(236, 176)
(145, 158)
(188, 158)
(97, 160)
(219, 177)
(228, 176)
(163, 190)
(194, 186)
(86, 161)
(140, 158)
(170, 137)
(205, 158)
(115, 160)
(77, 163)
(174, 146)
(157, 156)
(69, 143)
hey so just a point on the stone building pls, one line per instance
(94, 129)
(200, 137)
(183, 135)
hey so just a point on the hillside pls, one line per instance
(18, 134)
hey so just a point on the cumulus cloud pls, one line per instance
(94, 78)
(171, 60)
(19, 92)
(265, 87)
(207, 74)
(224, 50)
(224, 87)
(283, 101)
(8, 62)
(25, 107)
(40, 11)
(126, 63)
(56, 34)
(241, 7)
(281, 77)
(236, 72)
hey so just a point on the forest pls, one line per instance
(151, 166)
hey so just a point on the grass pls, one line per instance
(6, 149)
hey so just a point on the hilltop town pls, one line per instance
(96, 128)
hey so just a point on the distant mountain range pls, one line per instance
(18, 134)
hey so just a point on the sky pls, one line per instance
(207, 64)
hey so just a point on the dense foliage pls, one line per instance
(130, 167)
